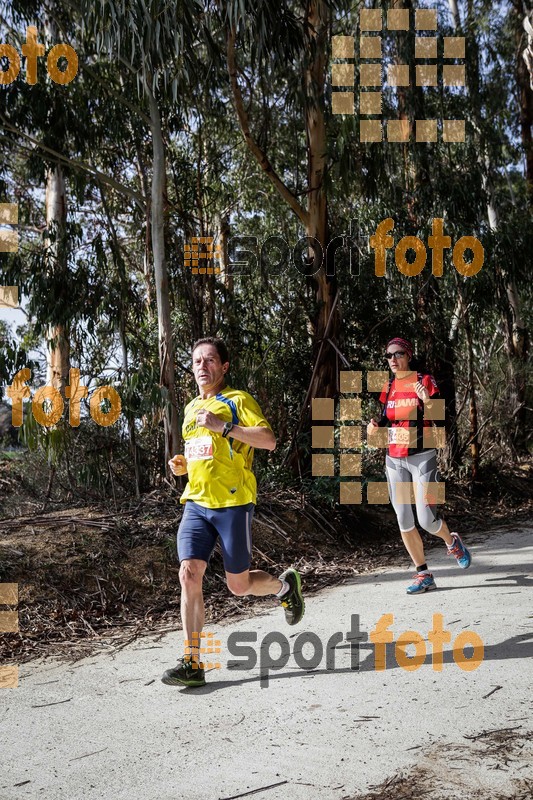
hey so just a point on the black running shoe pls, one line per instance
(185, 673)
(293, 601)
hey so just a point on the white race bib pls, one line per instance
(399, 436)
(199, 449)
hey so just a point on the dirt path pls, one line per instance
(105, 727)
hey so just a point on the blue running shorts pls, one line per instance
(200, 527)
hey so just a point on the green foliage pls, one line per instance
(50, 442)
(98, 129)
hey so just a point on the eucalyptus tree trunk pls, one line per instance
(461, 318)
(57, 339)
(145, 186)
(516, 333)
(454, 10)
(166, 341)
(326, 321)
(223, 236)
(425, 290)
(130, 418)
(324, 317)
(223, 230)
(449, 389)
(527, 55)
(524, 79)
(206, 282)
(473, 416)
(58, 348)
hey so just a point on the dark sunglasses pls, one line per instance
(397, 354)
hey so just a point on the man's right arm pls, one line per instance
(178, 465)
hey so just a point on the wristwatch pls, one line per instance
(227, 428)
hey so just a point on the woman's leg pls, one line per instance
(425, 478)
(423, 469)
(399, 479)
(414, 546)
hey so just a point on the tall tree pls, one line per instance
(58, 350)
(156, 50)
(516, 333)
(270, 35)
(524, 79)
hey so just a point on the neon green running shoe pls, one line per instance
(293, 601)
(186, 673)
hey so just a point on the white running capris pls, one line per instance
(421, 470)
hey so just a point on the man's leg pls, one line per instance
(234, 526)
(192, 601)
(255, 582)
(196, 540)
(287, 588)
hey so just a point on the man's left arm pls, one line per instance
(256, 436)
(260, 436)
(252, 428)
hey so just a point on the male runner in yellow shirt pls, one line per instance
(221, 427)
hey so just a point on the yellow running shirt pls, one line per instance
(220, 469)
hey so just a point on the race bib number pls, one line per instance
(399, 436)
(199, 449)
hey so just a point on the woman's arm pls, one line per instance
(423, 394)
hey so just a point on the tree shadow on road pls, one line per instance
(519, 580)
(520, 646)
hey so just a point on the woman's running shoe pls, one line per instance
(423, 582)
(460, 552)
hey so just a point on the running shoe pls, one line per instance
(460, 552)
(186, 673)
(293, 601)
(423, 582)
